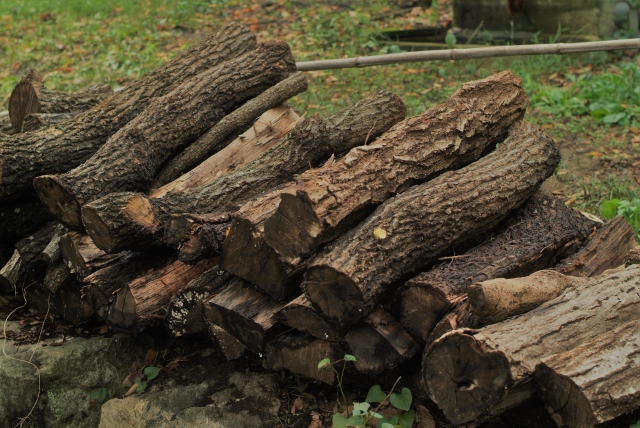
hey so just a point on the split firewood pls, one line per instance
(51, 252)
(20, 219)
(633, 257)
(213, 140)
(31, 248)
(606, 250)
(542, 232)
(139, 302)
(299, 314)
(63, 147)
(82, 256)
(467, 372)
(36, 121)
(64, 304)
(30, 96)
(245, 313)
(185, 313)
(410, 231)
(197, 236)
(230, 347)
(595, 382)
(136, 152)
(332, 199)
(13, 275)
(58, 276)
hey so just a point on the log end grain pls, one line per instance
(61, 204)
(25, 99)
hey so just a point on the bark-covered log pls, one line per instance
(30, 96)
(445, 137)
(13, 275)
(185, 313)
(606, 250)
(52, 251)
(299, 314)
(65, 303)
(244, 312)
(213, 140)
(379, 343)
(538, 235)
(413, 229)
(300, 354)
(58, 276)
(466, 372)
(66, 145)
(203, 240)
(82, 256)
(35, 121)
(138, 304)
(31, 248)
(633, 257)
(131, 158)
(20, 219)
(594, 382)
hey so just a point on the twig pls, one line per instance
(463, 256)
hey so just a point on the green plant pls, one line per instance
(339, 374)
(98, 396)
(149, 373)
(54, 405)
(630, 210)
(636, 425)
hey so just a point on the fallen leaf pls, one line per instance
(131, 390)
(151, 356)
(298, 405)
(315, 421)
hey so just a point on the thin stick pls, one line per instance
(441, 259)
(456, 54)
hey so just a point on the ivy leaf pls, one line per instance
(360, 408)
(141, 385)
(393, 422)
(375, 394)
(406, 419)
(152, 372)
(403, 400)
(340, 421)
(349, 357)
(323, 363)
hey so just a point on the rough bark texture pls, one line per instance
(299, 314)
(51, 252)
(468, 372)
(58, 276)
(213, 140)
(31, 248)
(412, 230)
(79, 253)
(131, 158)
(542, 232)
(62, 147)
(13, 275)
(594, 382)
(633, 257)
(202, 241)
(35, 121)
(606, 250)
(445, 137)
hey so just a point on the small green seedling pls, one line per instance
(149, 374)
(98, 396)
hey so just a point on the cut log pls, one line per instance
(13, 275)
(185, 314)
(52, 251)
(63, 147)
(445, 137)
(35, 121)
(204, 240)
(138, 303)
(64, 304)
(594, 382)
(467, 372)
(379, 343)
(413, 229)
(213, 140)
(299, 314)
(31, 248)
(300, 354)
(542, 232)
(20, 219)
(230, 347)
(245, 313)
(82, 256)
(131, 158)
(633, 257)
(30, 96)
(58, 276)
(606, 250)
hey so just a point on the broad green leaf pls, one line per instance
(102, 394)
(375, 394)
(95, 394)
(393, 421)
(141, 385)
(152, 372)
(609, 208)
(614, 118)
(323, 363)
(406, 419)
(340, 421)
(349, 357)
(387, 425)
(403, 400)
(360, 408)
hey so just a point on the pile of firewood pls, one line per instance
(197, 199)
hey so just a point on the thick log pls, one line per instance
(131, 158)
(606, 250)
(299, 314)
(82, 256)
(58, 276)
(300, 354)
(185, 313)
(51, 252)
(468, 372)
(13, 275)
(413, 229)
(30, 96)
(213, 140)
(35, 121)
(138, 304)
(445, 137)
(247, 314)
(31, 248)
(542, 232)
(594, 382)
(63, 147)
(379, 343)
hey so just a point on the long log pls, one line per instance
(413, 229)
(35, 121)
(542, 232)
(469, 372)
(82, 256)
(299, 314)
(594, 382)
(131, 158)
(58, 276)
(30, 96)
(63, 147)
(13, 275)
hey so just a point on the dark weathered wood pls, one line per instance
(13, 275)
(299, 314)
(606, 250)
(20, 219)
(538, 235)
(65, 303)
(185, 311)
(36, 121)
(202, 241)
(82, 256)
(245, 313)
(131, 158)
(52, 251)
(58, 276)
(213, 140)
(594, 382)
(410, 231)
(467, 372)
(633, 257)
(230, 347)
(66, 145)
(31, 248)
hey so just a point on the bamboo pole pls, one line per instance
(457, 54)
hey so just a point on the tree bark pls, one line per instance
(410, 231)
(36, 121)
(542, 232)
(445, 137)
(213, 140)
(633, 257)
(131, 158)
(299, 314)
(58, 276)
(63, 147)
(594, 382)
(31, 248)
(202, 241)
(52, 251)
(82, 256)
(468, 372)
(13, 275)
(30, 96)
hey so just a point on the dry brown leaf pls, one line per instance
(131, 390)
(315, 421)
(151, 356)
(298, 405)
